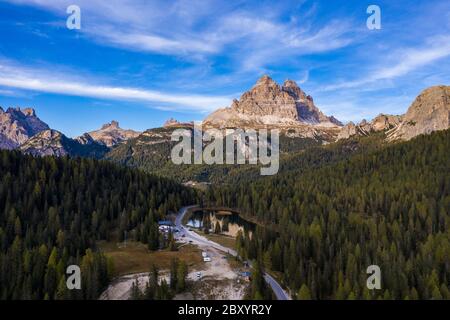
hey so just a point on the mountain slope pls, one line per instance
(54, 143)
(111, 134)
(382, 122)
(429, 112)
(18, 125)
(151, 151)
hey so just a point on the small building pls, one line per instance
(165, 226)
(167, 223)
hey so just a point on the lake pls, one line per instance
(223, 222)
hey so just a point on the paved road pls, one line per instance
(200, 240)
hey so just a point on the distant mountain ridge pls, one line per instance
(171, 123)
(429, 112)
(111, 134)
(382, 122)
(18, 125)
(54, 143)
(266, 105)
(22, 129)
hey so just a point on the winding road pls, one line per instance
(200, 240)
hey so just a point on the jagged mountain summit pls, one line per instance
(111, 134)
(269, 104)
(53, 143)
(21, 129)
(429, 112)
(18, 125)
(382, 122)
(170, 123)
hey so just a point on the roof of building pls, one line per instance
(165, 223)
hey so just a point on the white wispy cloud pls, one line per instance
(406, 61)
(251, 39)
(228, 44)
(148, 42)
(332, 36)
(38, 80)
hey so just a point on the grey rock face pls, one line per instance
(18, 125)
(429, 112)
(382, 122)
(111, 134)
(271, 104)
(54, 143)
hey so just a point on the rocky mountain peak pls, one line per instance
(18, 125)
(268, 103)
(290, 84)
(112, 125)
(175, 123)
(26, 112)
(111, 134)
(54, 143)
(171, 122)
(263, 93)
(266, 81)
(29, 112)
(429, 112)
(291, 87)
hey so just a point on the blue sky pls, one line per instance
(141, 62)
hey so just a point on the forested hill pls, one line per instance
(389, 207)
(52, 211)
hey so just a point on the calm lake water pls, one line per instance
(229, 223)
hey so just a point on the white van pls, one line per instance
(206, 259)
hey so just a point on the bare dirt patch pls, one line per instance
(219, 279)
(136, 258)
